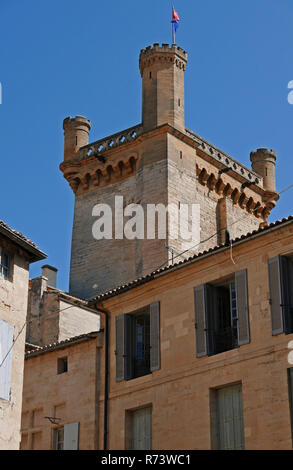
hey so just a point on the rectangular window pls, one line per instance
(62, 365)
(6, 343)
(227, 426)
(5, 265)
(221, 315)
(138, 343)
(139, 429)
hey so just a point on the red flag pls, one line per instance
(175, 15)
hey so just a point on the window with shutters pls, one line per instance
(280, 271)
(221, 315)
(5, 265)
(227, 425)
(138, 343)
(66, 437)
(138, 429)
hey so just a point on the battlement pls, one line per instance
(172, 54)
(264, 152)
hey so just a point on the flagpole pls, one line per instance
(173, 33)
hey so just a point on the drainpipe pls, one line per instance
(106, 389)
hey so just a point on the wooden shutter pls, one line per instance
(120, 348)
(71, 435)
(276, 294)
(141, 429)
(155, 358)
(128, 346)
(242, 307)
(6, 342)
(230, 427)
(200, 320)
(287, 294)
(211, 297)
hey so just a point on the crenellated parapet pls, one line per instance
(162, 54)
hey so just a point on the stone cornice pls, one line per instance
(101, 161)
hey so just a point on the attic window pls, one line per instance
(62, 365)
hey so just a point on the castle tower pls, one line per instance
(162, 71)
(157, 162)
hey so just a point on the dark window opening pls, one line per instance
(62, 365)
(150, 74)
(222, 315)
(180, 155)
(179, 102)
(141, 343)
(225, 318)
(5, 265)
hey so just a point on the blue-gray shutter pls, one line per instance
(155, 352)
(242, 307)
(211, 296)
(200, 320)
(128, 346)
(277, 300)
(71, 436)
(120, 348)
(6, 342)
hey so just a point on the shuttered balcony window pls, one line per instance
(221, 315)
(138, 343)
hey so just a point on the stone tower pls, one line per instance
(157, 162)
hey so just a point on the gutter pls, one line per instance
(106, 388)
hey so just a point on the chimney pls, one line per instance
(51, 274)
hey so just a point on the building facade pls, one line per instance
(157, 162)
(16, 254)
(199, 357)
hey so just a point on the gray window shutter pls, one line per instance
(211, 296)
(242, 307)
(155, 336)
(128, 346)
(71, 435)
(6, 342)
(276, 294)
(287, 294)
(200, 320)
(120, 348)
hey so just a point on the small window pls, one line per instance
(58, 439)
(5, 265)
(179, 102)
(62, 365)
(150, 75)
(181, 155)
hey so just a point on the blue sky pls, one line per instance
(68, 57)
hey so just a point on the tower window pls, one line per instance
(150, 74)
(181, 155)
(179, 102)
